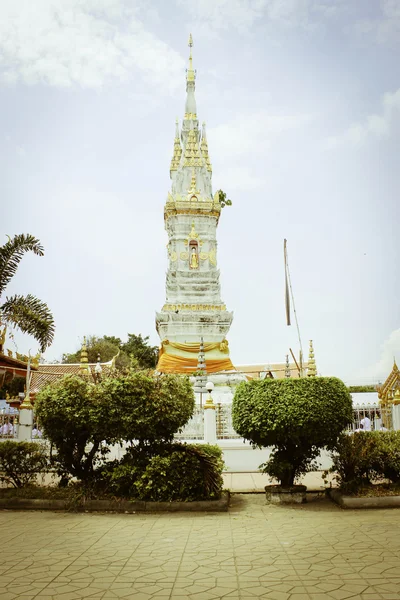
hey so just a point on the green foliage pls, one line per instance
(75, 420)
(148, 409)
(176, 471)
(12, 385)
(297, 417)
(21, 462)
(96, 346)
(28, 313)
(135, 352)
(139, 348)
(355, 389)
(81, 419)
(388, 460)
(223, 200)
(365, 456)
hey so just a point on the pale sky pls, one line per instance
(302, 104)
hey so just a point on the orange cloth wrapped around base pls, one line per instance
(171, 362)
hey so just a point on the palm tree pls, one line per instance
(28, 313)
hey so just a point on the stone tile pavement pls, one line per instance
(308, 552)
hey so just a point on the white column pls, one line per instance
(396, 416)
(25, 424)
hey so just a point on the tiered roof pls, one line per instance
(387, 391)
(48, 373)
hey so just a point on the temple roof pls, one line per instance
(391, 384)
(14, 363)
(48, 373)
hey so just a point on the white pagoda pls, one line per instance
(193, 308)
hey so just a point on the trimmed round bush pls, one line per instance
(296, 417)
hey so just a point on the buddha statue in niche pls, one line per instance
(194, 259)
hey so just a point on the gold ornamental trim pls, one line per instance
(194, 307)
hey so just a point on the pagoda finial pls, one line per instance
(311, 369)
(190, 44)
(190, 108)
(288, 372)
(84, 368)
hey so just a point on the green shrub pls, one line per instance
(361, 458)
(173, 472)
(354, 460)
(296, 417)
(146, 408)
(387, 463)
(82, 419)
(21, 462)
(76, 424)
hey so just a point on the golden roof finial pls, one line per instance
(176, 157)
(84, 368)
(190, 72)
(311, 369)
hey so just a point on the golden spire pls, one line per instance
(190, 72)
(204, 148)
(84, 368)
(311, 369)
(176, 158)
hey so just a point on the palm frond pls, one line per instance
(11, 254)
(30, 315)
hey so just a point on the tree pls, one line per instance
(81, 419)
(296, 417)
(76, 423)
(139, 348)
(148, 409)
(27, 313)
(135, 352)
(104, 347)
(223, 200)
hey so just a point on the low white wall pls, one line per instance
(240, 457)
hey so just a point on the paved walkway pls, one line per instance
(309, 552)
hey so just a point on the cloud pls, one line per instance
(241, 15)
(251, 133)
(374, 126)
(239, 178)
(84, 42)
(381, 369)
(386, 27)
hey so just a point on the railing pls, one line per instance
(8, 426)
(225, 429)
(194, 429)
(379, 418)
